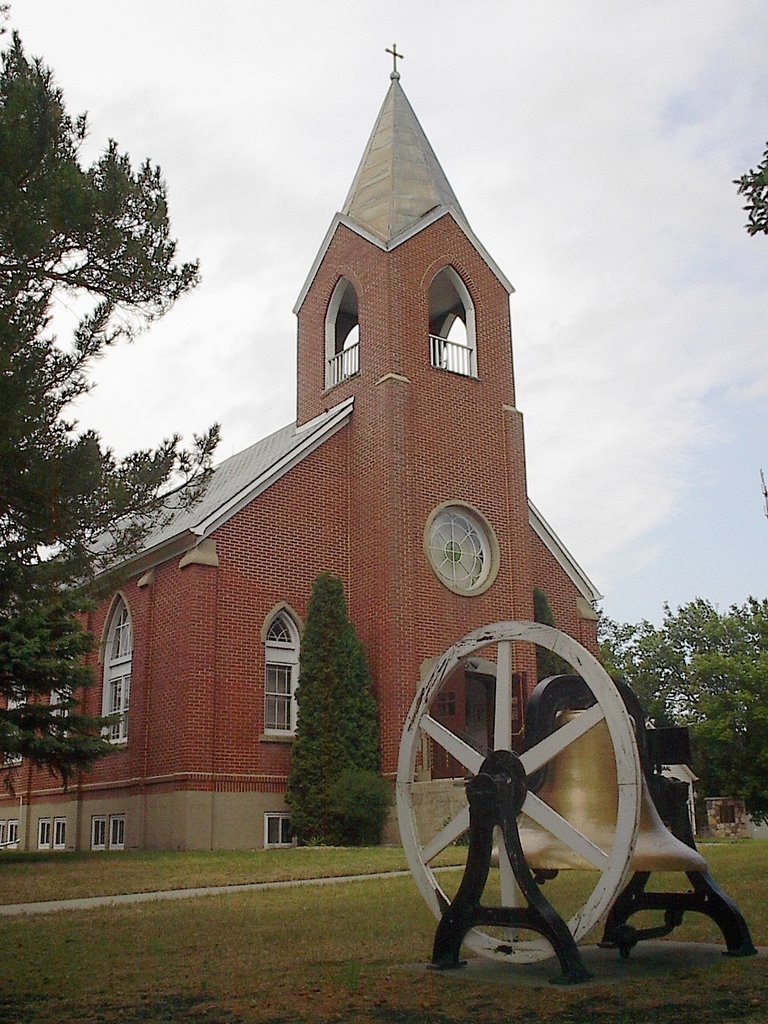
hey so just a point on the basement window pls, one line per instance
(277, 830)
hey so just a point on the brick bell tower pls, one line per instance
(406, 314)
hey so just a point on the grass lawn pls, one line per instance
(339, 953)
(30, 877)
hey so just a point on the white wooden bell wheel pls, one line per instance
(612, 865)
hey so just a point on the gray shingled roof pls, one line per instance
(228, 479)
(233, 483)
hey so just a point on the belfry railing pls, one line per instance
(450, 355)
(344, 364)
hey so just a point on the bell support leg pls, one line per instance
(495, 796)
(706, 898)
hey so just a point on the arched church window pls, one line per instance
(118, 659)
(342, 335)
(452, 325)
(281, 675)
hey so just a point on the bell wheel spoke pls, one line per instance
(558, 740)
(555, 823)
(456, 827)
(452, 744)
(502, 728)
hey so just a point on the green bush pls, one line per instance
(358, 803)
(337, 728)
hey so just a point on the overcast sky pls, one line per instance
(592, 147)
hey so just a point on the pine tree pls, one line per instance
(68, 507)
(754, 186)
(337, 728)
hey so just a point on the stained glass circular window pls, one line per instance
(461, 549)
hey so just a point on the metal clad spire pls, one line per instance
(399, 179)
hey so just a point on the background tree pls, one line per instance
(754, 186)
(707, 670)
(337, 729)
(68, 507)
(641, 655)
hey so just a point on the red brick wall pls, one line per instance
(414, 444)
(357, 507)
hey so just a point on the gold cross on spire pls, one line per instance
(395, 58)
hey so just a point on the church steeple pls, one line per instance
(399, 180)
(401, 288)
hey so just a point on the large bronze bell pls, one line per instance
(580, 784)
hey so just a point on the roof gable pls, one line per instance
(341, 220)
(399, 189)
(562, 555)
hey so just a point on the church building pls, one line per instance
(403, 474)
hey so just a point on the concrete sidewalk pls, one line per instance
(650, 959)
(91, 902)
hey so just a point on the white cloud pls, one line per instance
(592, 147)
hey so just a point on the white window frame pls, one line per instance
(2, 832)
(12, 841)
(283, 656)
(56, 701)
(99, 825)
(283, 821)
(59, 838)
(118, 660)
(44, 833)
(117, 831)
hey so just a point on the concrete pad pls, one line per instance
(648, 959)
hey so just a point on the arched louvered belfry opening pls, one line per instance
(452, 345)
(342, 334)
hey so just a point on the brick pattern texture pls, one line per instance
(357, 507)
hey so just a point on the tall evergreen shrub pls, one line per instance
(547, 663)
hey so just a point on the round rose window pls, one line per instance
(459, 548)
